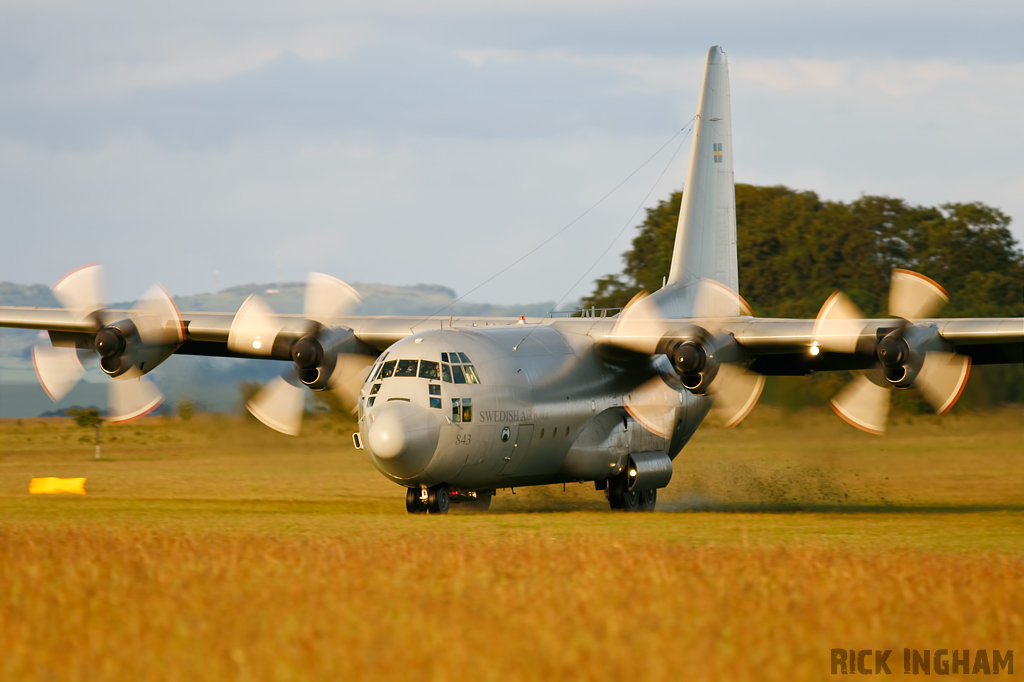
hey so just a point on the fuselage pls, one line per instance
(508, 406)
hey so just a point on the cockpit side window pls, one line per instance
(471, 377)
(429, 370)
(387, 369)
(406, 368)
(446, 373)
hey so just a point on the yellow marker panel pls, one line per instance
(57, 486)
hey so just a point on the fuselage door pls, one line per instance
(515, 455)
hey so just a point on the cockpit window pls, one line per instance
(428, 370)
(387, 369)
(464, 374)
(446, 373)
(406, 368)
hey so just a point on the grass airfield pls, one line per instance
(216, 549)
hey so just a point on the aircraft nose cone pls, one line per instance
(403, 438)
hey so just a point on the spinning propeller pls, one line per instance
(704, 357)
(127, 349)
(324, 357)
(909, 353)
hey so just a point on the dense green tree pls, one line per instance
(795, 249)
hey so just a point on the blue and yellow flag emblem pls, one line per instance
(718, 151)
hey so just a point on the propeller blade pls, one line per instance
(653, 404)
(913, 296)
(715, 299)
(158, 319)
(864, 404)
(639, 326)
(58, 369)
(132, 398)
(81, 290)
(280, 404)
(838, 325)
(349, 376)
(942, 379)
(735, 391)
(328, 297)
(254, 328)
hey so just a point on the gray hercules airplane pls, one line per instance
(454, 409)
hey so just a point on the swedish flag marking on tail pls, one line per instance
(718, 152)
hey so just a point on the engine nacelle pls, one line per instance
(122, 350)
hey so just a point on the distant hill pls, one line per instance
(286, 297)
(36, 295)
(378, 299)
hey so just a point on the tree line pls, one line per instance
(795, 249)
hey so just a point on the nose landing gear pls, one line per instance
(413, 502)
(433, 500)
(439, 498)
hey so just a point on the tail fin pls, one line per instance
(706, 236)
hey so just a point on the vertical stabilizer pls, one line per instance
(706, 236)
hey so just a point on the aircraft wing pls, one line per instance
(782, 346)
(206, 333)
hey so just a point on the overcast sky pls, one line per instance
(208, 144)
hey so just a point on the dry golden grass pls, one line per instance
(217, 550)
(129, 605)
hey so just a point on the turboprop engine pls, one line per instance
(325, 357)
(909, 354)
(704, 356)
(127, 349)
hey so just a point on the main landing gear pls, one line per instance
(439, 498)
(621, 497)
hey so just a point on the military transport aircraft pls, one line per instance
(454, 409)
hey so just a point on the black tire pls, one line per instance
(438, 499)
(631, 501)
(648, 499)
(480, 503)
(413, 505)
(616, 492)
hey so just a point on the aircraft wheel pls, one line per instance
(631, 500)
(648, 498)
(480, 503)
(438, 499)
(413, 504)
(616, 492)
